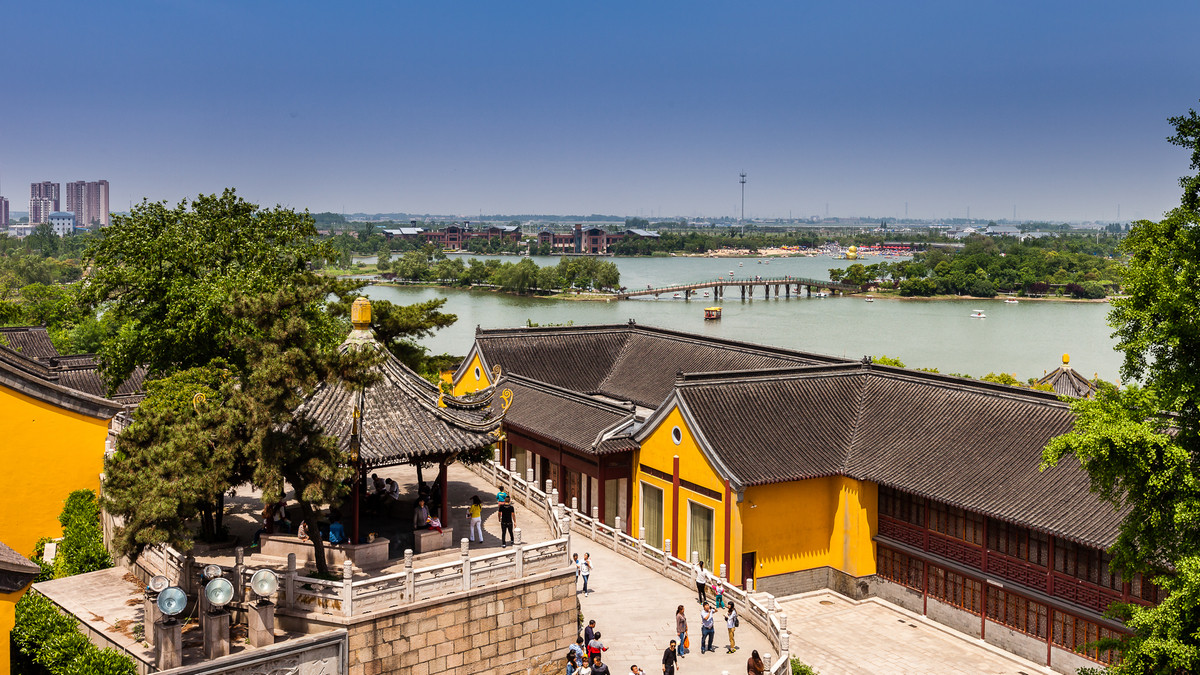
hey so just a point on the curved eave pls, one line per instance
(23, 381)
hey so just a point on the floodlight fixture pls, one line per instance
(264, 583)
(219, 592)
(212, 571)
(158, 584)
(171, 601)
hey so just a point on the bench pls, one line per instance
(425, 541)
(362, 556)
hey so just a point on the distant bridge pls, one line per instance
(802, 286)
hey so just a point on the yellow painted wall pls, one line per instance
(468, 384)
(48, 453)
(658, 451)
(811, 523)
(8, 604)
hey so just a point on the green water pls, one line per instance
(1027, 339)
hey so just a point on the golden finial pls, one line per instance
(197, 400)
(495, 372)
(441, 400)
(1066, 359)
(360, 313)
(507, 397)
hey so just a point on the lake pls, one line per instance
(1027, 339)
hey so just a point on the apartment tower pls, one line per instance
(43, 200)
(88, 200)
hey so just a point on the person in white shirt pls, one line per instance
(701, 583)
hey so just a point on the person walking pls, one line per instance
(755, 665)
(595, 647)
(475, 513)
(575, 562)
(701, 583)
(670, 658)
(588, 634)
(585, 569)
(508, 518)
(731, 622)
(599, 667)
(707, 628)
(681, 630)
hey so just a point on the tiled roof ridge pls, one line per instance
(563, 392)
(39, 381)
(657, 331)
(700, 379)
(864, 373)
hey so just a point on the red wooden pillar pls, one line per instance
(728, 529)
(675, 508)
(444, 514)
(600, 487)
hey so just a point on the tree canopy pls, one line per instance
(168, 276)
(1140, 444)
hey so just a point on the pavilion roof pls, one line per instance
(401, 420)
(1068, 382)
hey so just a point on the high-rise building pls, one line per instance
(43, 200)
(88, 200)
(96, 208)
(3, 213)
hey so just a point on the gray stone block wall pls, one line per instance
(1016, 642)
(955, 617)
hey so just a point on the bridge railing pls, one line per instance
(734, 281)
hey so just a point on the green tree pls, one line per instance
(1140, 445)
(43, 240)
(169, 275)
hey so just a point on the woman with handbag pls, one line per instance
(731, 623)
(681, 631)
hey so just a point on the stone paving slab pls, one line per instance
(836, 635)
(634, 609)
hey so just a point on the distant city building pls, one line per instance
(4, 212)
(43, 200)
(88, 200)
(456, 237)
(593, 240)
(63, 223)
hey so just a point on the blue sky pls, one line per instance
(633, 108)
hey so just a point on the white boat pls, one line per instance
(706, 294)
(739, 264)
(978, 314)
(820, 294)
(870, 299)
(677, 296)
(1010, 301)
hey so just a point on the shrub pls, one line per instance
(49, 643)
(799, 668)
(82, 546)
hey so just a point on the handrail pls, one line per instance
(731, 281)
(565, 521)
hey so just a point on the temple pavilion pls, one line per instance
(401, 419)
(1067, 381)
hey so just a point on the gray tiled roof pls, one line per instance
(1068, 382)
(969, 444)
(401, 420)
(29, 341)
(560, 415)
(627, 362)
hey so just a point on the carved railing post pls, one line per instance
(595, 519)
(465, 550)
(409, 580)
(289, 582)
(348, 588)
(239, 571)
(616, 532)
(666, 555)
(519, 557)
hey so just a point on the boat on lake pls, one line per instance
(1010, 301)
(978, 314)
(677, 296)
(711, 313)
(870, 299)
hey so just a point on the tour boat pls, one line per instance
(820, 294)
(1010, 301)
(978, 314)
(711, 313)
(739, 264)
(677, 296)
(870, 299)
(706, 294)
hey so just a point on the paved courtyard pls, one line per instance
(634, 609)
(835, 635)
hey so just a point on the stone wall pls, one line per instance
(517, 627)
(816, 579)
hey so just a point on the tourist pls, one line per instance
(572, 662)
(507, 520)
(302, 532)
(501, 496)
(420, 515)
(634, 670)
(731, 622)
(595, 646)
(754, 664)
(589, 632)
(391, 489)
(718, 589)
(669, 659)
(701, 582)
(475, 513)
(280, 517)
(585, 568)
(599, 667)
(681, 630)
(337, 532)
(707, 631)
(577, 648)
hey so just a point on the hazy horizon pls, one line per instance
(645, 109)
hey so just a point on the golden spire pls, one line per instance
(360, 314)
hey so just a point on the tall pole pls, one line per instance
(742, 175)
